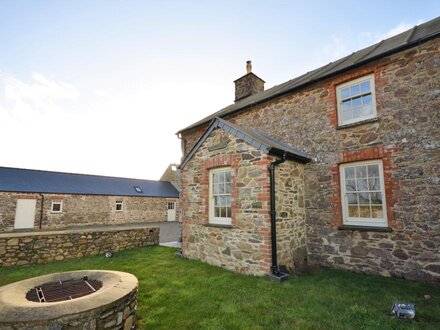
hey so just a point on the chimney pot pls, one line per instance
(248, 66)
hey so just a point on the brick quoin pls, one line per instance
(383, 153)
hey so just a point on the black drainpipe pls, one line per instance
(276, 274)
(41, 210)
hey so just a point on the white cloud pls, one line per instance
(336, 48)
(402, 27)
(40, 93)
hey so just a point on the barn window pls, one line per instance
(119, 206)
(56, 207)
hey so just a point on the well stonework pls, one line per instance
(37, 248)
(405, 137)
(245, 246)
(111, 307)
(85, 210)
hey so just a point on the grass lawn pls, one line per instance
(176, 293)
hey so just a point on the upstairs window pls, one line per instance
(363, 194)
(119, 206)
(220, 196)
(56, 207)
(356, 100)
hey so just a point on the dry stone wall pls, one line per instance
(405, 135)
(38, 248)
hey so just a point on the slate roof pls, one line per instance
(36, 181)
(400, 42)
(253, 137)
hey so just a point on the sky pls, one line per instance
(101, 87)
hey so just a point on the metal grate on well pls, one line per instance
(63, 290)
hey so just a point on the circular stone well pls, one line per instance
(110, 306)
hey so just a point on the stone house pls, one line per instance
(338, 167)
(33, 199)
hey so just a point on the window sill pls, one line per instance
(366, 228)
(366, 121)
(217, 225)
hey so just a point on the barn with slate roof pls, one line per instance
(34, 199)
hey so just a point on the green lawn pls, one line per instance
(176, 293)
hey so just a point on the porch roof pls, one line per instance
(254, 137)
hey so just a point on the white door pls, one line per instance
(171, 211)
(25, 213)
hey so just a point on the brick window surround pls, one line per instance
(383, 153)
(379, 82)
(219, 162)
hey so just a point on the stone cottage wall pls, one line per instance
(84, 210)
(405, 136)
(291, 215)
(245, 246)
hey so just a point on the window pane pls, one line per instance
(215, 178)
(373, 184)
(364, 199)
(357, 102)
(221, 188)
(365, 87)
(56, 207)
(350, 185)
(366, 110)
(357, 112)
(347, 115)
(223, 212)
(361, 171)
(352, 199)
(228, 176)
(228, 212)
(364, 211)
(349, 172)
(361, 185)
(373, 171)
(355, 90)
(228, 201)
(345, 93)
(366, 99)
(353, 211)
(216, 212)
(346, 105)
(376, 198)
(376, 212)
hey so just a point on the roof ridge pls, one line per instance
(80, 174)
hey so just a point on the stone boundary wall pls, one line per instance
(43, 247)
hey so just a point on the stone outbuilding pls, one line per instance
(362, 193)
(44, 200)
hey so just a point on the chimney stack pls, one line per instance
(249, 84)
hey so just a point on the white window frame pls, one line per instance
(212, 218)
(370, 222)
(56, 202)
(122, 205)
(350, 83)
